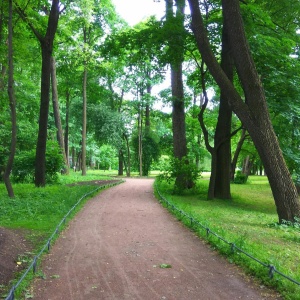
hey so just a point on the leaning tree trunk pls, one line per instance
(56, 112)
(12, 104)
(253, 114)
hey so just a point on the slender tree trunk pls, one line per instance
(12, 104)
(128, 171)
(237, 153)
(247, 165)
(60, 136)
(140, 124)
(253, 113)
(73, 158)
(3, 67)
(147, 110)
(66, 138)
(120, 167)
(83, 145)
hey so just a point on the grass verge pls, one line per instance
(248, 220)
(38, 211)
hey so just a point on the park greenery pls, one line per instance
(248, 220)
(77, 93)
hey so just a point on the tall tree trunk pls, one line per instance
(60, 136)
(128, 171)
(222, 140)
(2, 64)
(121, 162)
(210, 149)
(178, 111)
(253, 113)
(247, 165)
(12, 104)
(83, 144)
(140, 138)
(147, 110)
(66, 138)
(46, 43)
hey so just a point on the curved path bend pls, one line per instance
(115, 245)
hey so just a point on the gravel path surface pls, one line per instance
(114, 249)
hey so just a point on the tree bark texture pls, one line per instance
(253, 112)
(12, 105)
(46, 43)
(178, 109)
(222, 139)
(56, 112)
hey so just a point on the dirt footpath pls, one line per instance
(125, 245)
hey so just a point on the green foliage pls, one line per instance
(108, 157)
(288, 225)
(150, 151)
(180, 168)
(240, 178)
(24, 164)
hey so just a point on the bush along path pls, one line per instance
(124, 245)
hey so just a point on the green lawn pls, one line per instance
(249, 221)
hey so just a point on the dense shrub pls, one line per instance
(240, 178)
(180, 168)
(24, 164)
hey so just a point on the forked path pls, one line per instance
(114, 249)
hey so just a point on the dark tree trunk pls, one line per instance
(140, 141)
(60, 136)
(178, 110)
(222, 140)
(237, 153)
(83, 143)
(253, 114)
(73, 154)
(46, 43)
(40, 158)
(12, 104)
(128, 171)
(120, 168)
(66, 138)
